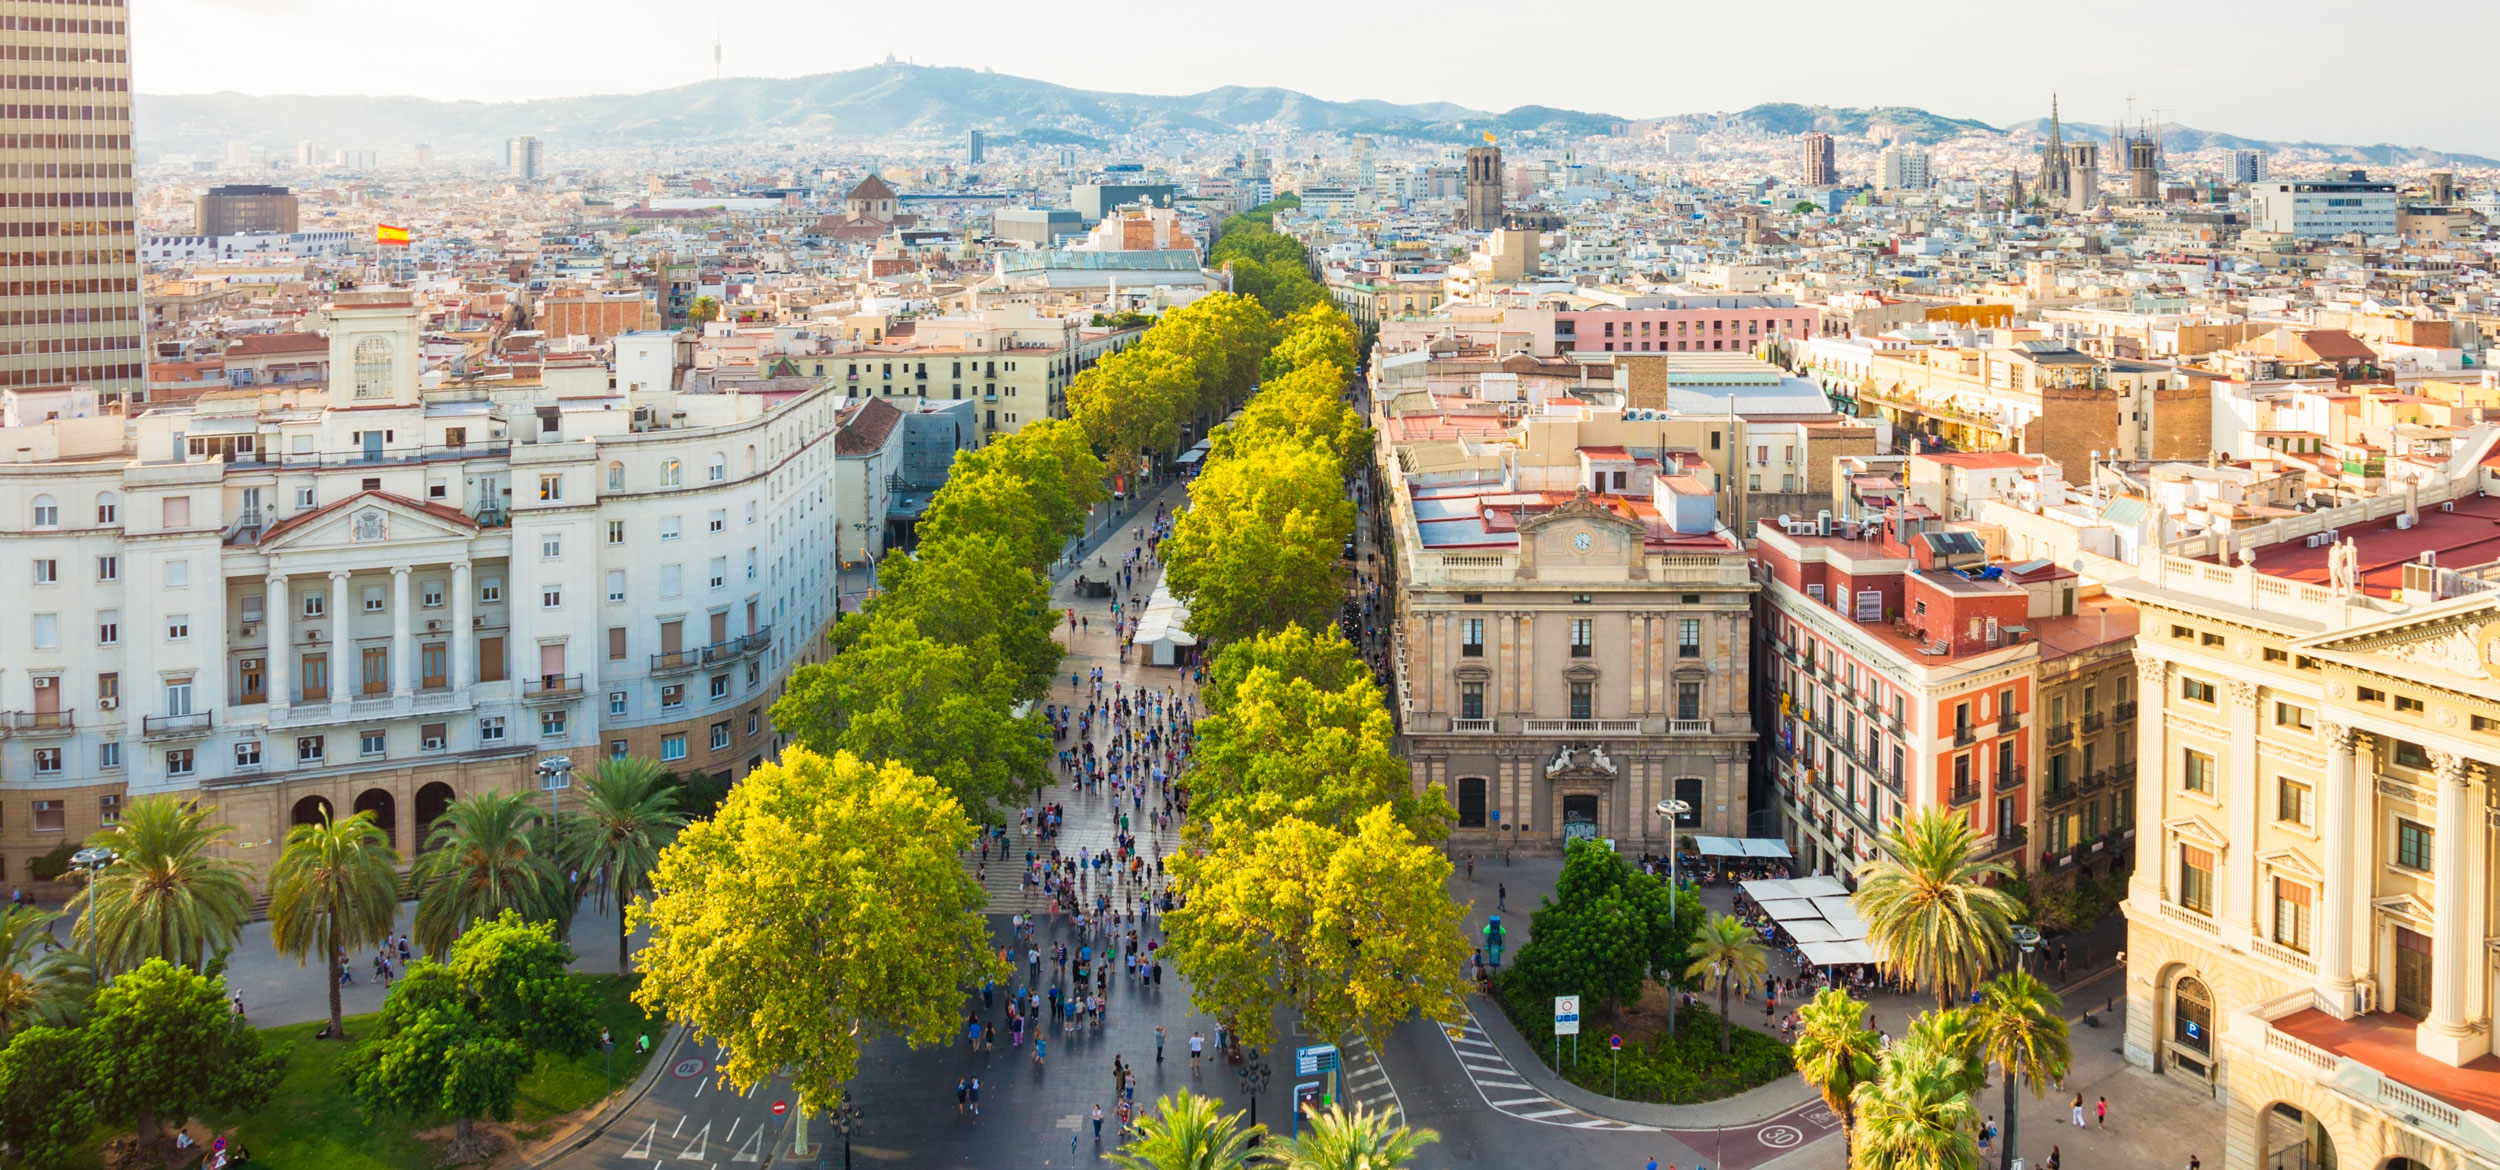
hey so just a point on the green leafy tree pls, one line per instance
(1258, 546)
(36, 987)
(456, 1038)
(1915, 1114)
(44, 1095)
(1283, 746)
(481, 860)
(944, 711)
(1318, 655)
(826, 902)
(996, 502)
(2020, 1026)
(160, 1046)
(703, 311)
(1314, 335)
(1836, 1052)
(1185, 1131)
(1062, 476)
(165, 895)
(1928, 909)
(1950, 1032)
(1132, 403)
(1606, 932)
(1222, 337)
(627, 814)
(1725, 952)
(1300, 409)
(973, 591)
(1353, 928)
(335, 889)
(1336, 1139)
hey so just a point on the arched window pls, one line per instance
(717, 470)
(373, 368)
(2192, 1016)
(47, 512)
(616, 477)
(672, 474)
(107, 508)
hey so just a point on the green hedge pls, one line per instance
(1684, 1069)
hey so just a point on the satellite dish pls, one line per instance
(1783, 521)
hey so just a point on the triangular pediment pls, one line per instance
(2404, 906)
(2198, 830)
(366, 518)
(2455, 642)
(1582, 509)
(2290, 863)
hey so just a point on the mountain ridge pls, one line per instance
(902, 101)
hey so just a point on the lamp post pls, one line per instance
(555, 774)
(92, 859)
(1673, 810)
(846, 1120)
(2028, 939)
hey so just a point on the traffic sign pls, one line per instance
(1566, 1015)
(1615, 1041)
(780, 1107)
(1318, 1058)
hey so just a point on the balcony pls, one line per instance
(2096, 780)
(1965, 794)
(2059, 794)
(2007, 841)
(2126, 711)
(40, 723)
(2091, 722)
(2125, 772)
(1965, 735)
(2372, 1060)
(1688, 727)
(1472, 726)
(676, 661)
(2011, 780)
(551, 688)
(1581, 726)
(2009, 722)
(2061, 735)
(196, 723)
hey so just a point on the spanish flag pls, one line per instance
(385, 234)
(1488, 138)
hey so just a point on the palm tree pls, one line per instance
(1724, 950)
(2021, 1025)
(35, 987)
(1953, 1034)
(629, 813)
(1186, 1133)
(703, 311)
(1915, 1115)
(1360, 1140)
(335, 888)
(162, 896)
(1928, 915)
(480, 862)
(1835, 1051)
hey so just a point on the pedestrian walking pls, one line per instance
(962, 1088)
(1098, 1123)
(2078, 1111)
(1158, 1044)
(1197, 1048)
(1501, 895)
(976, 1096)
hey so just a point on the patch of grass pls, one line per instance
(1684, 1069)
(312, 1120)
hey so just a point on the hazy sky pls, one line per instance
(2287, 69)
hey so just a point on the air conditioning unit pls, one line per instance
(251, 629)
(433, 624)
(477, 623)
(107, 703)
(2448, 506)
(43, 684)
(312, 635)
(433, 743)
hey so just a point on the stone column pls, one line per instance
(346, 674)
(2335, 820)
(2444, 1037)
(2152, 868)
(279, 668)
(403, 643)
(463, 641)
(2243, 911)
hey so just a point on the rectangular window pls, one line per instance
(1583, 700)
(373, 743)
(673, 747)
(47, 761)
(316, 604)
(668, 528)
(2292, 801)
(551, 724)
(490, 729)
(2413, 845)
(489, 590)
(47, 571)
(1471, 700)
(177, 511)
(551, 488)
(2196, 879)
(2291, 915)
(1688, 638)
(375, 664)
(2409, 705)
(430, 595)
(1471, 638)
(178, 762)
(720, 572)
(316, 676)
(178, 627)
(2294, 717)
(720, 686)
(108, 627)
(720, 520)
(373, 599)
(178, 695)
(433, 737)
(551, 597)
(616, 532)
(616, 643)
(108, 568)
(672, 696)
(616, 585)
(616, 702)
(720, 735)
(2196, 771)
(108, 756)
(2410, 755)
(551, 546)
(1580, 638)
(309, 749)
(47, 631)
(247, 755)
(2196, 690)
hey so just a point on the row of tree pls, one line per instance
(1265, 263)
(1188, 370)
(933, 671)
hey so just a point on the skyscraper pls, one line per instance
(2248, 166)
(69, 312)
(1902, 168)
(1484, 188)
(973, 154)
(521, 158)
(1819, 168)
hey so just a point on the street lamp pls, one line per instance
(1674, 811)
(555, 774)
(847, 1120)
(92, 859)
(2028, 939)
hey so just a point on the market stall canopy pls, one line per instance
(1836, 954)
(1817, 886)
(1811, 932)
(1764, 847)
(1791, 909)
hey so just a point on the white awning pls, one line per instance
(1818, 886)
(1849, 927)
(1789, 909)
(1811, 931)
(1835, 907)
(1766, 889)
(1765, 847)
(1719, 846)
(1836, 954)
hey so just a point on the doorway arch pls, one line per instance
(311, 810)
(431, 801)
(384, 810)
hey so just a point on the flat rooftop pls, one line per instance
(2463, 538)
(2384, 1041)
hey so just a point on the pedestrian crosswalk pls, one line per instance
(1367, 1081)
(1509, 1093)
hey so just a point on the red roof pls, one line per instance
(271, 344)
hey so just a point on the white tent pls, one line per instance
(1818, 886)
(1766, 889)
(1765, 847)
(1811, 932)
(1719, 846)
(1834, 954)
(1791, 909)
(1163, 630)
(1834, 906)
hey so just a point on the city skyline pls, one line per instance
(187, 46)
